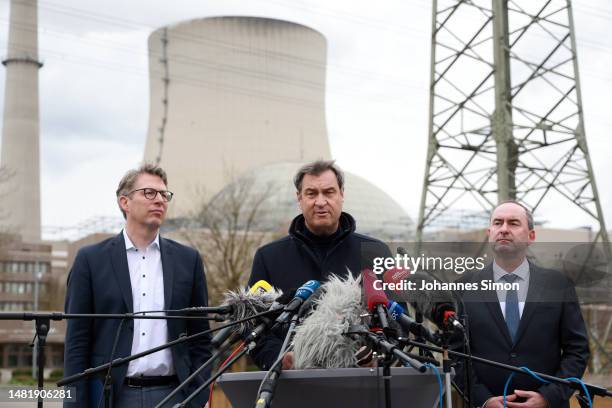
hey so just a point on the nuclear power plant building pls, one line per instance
(231, 96)
(231, 93)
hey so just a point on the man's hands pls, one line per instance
(498, 402)
(532, 400)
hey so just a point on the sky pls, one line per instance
(94, 92)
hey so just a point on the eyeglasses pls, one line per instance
(151, 193)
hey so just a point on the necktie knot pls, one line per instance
(509, 277)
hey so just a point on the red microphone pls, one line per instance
(375, 298)
(394, 277)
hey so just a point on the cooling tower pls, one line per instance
(229, 94)
(20, 194)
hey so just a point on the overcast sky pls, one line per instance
(94, 92)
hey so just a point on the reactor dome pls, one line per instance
(375, 212)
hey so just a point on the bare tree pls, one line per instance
(232, 225)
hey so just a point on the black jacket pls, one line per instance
(551, 337)
(290, 261)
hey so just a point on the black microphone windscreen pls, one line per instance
(246, 304)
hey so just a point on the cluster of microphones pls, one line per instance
(381, 312)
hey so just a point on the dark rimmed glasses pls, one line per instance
(151, 193)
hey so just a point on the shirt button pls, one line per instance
(144, 276)
(143, 257)
(513, 355)
(144, 294)
(143, 334)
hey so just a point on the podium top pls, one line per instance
(354, 387)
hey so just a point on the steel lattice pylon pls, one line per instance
(505, 109)
(506, 119)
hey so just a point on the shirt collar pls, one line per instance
(129, 245)
(522, 271)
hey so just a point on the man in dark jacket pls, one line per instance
(322, 242)
(539, 325)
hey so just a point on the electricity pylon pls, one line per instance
(506, 118)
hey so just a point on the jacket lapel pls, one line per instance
(122, 271)
(492, 302)
(168, 271)
(532, 301)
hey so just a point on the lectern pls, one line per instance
(333, 388)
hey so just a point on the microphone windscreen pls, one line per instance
(372, 295)
(319, 341)
(245, 304)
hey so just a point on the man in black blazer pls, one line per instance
(136, 270)
(539, 326)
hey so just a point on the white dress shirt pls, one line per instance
(522, 273)
(147, 281)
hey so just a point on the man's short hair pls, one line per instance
(129, 179)
(530, 223)
(316, 168)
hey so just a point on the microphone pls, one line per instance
(398, 314)
(206, 309)
(395, 275)
(245, 305)
(303, 293)
(319, 342)
(445, 315)
(375, 299)
(437, 306)
(259, 289)
(310, 304)
(265, 322)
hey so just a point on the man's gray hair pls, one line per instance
(316, 168)
(530, 223)
(128, 181)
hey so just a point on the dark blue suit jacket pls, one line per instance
(99, 282)
(551, 337)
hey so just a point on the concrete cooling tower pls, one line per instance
(229, 94)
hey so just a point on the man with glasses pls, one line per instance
(137, 271)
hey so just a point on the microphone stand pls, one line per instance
(42, 329)
(250, 341)
(378, 342)
(120, 361)
(43, 324)
(208, 362)
(594, 390)
(268, 384)
(446, 364)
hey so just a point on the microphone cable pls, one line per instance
(212, 386)
(537, 377)
(112, 356)
(439, 378)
